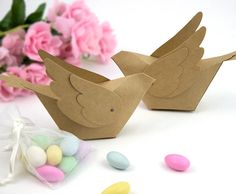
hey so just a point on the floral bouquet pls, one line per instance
(70, 31)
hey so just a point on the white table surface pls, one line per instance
(207, 136)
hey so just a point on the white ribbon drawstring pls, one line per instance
(19, 124)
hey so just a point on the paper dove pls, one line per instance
(182, 76)
(85, 103)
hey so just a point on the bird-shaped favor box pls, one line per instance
(182, 76)
(85, 103)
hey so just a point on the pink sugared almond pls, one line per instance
(51, 174)
(177, 162)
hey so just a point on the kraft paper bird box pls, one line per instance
(182, 76)
(85, 103)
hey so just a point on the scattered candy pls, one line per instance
(84, 149)
(69, 145)
(51, 174)
(68, 163)
(117, 160)
(54, 155)
(42, 141)
(177, 162)
(36, 156)
(118, 188)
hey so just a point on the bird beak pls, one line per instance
(129, 63)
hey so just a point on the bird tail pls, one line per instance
(207, 63)
(17, 82)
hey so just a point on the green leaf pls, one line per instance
(36, 15)
(6, 24)
(3, 69)
(14, 17)
(26, 61)
(55, 32)
(18, 12)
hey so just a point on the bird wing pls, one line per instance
(83, 73)
(187, 31)
(177, 71)
(83, 101)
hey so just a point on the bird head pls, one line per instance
(132, 89)
(130, 63)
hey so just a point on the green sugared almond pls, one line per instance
(42, 141)
(68, 163)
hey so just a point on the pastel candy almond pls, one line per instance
(177, 162)
(117, 160)
(42, 141)
(51, 174)
(84, 149)
(36, 156)
(54, 155)
(69, 145)
(68, 163)
(118, 188)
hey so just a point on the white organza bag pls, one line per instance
(50, 155)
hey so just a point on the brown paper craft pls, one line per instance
(85, 103)
(182, 76)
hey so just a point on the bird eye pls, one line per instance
(112, 110)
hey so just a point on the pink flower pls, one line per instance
(6, 58)
(36, 74)
(14, 42)
(78, 10)
(38, 37)
(80, 27)
(64, 16)
(8, 93)
(107, 43)
(57, 9)
(64, 26)
(20, 72)
(67, 55)
(85, 38)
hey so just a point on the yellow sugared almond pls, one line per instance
(118, 188)
(54, 155)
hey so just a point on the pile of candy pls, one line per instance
(54, 158)
(119, 161)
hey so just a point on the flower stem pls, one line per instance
(13, 29)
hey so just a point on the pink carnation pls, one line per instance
(38, 37)
(64, 26)
(14, 42)
(57, 9)
(6, 58)
(80, 28)
(6, 93)
(64, 16)
(78, 10)
(9, 93)
(67, 55)
(107, 42)
(85, 38)
(34, 73)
